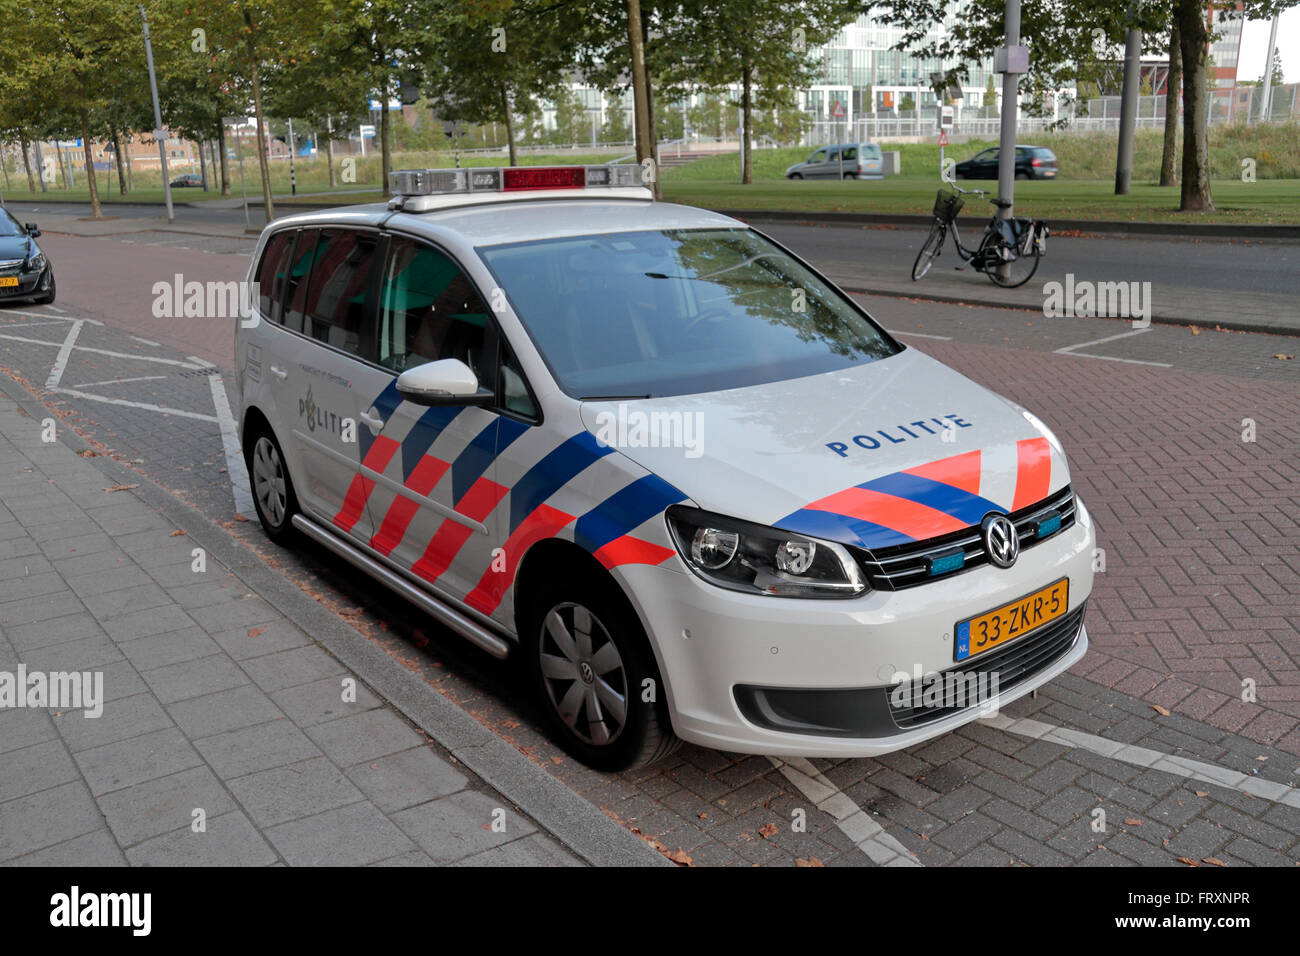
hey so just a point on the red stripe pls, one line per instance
(1034, 474)
(478, 502)
(960, 471)
(915, 520)
(630, 550)
(354, 502)
(403, 509)
(544, 522)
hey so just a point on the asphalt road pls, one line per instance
(1199, 527)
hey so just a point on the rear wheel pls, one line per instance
(273, 494)
(593, 670)
(1018, 270)
(930, 251)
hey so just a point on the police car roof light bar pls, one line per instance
(435, 182)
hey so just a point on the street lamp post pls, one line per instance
(158, 133)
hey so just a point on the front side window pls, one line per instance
(428, 310)
(680, 311)
(818, 157)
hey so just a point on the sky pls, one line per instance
(1254, 47)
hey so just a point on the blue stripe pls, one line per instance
(385, 404)
(479, 454)
(423, 433)
(841, 528)
(621, 512)
(552, 473)
(962, 505)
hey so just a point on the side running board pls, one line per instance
(462, 625)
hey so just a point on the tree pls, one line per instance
(616, 128)
(1173, 84)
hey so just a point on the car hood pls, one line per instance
(861, 456)
(17, 247)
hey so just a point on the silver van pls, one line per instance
(841, 161)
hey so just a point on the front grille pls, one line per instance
(907, 565)
(1018, 661)
(10, 265)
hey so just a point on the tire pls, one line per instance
(796, 176)
(1022, 175)
(579, 715)
(929, 251)
(273, 494)
(1020, 271)
(48, 297)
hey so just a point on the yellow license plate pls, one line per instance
(1004, 624)
(8, 281)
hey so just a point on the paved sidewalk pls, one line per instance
(216, 706)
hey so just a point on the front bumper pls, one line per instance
(715, 646)
(29, 284)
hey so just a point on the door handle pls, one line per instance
(279, 372)
(375, 425)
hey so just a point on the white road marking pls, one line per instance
(145, 341)
(28, 325)
(855, 823)
(86, 348)
(1151, 759)
(55, 308)
(46, 315)
(65, 352)
(1070, 350)
(163, 409)
(121, 381)
(920, 335)
(240, 485)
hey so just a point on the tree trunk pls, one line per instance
(27, 165)
(221, 153)
(385, 149)
(510, 123)
(117, 161)
(1193, 36)
(203, 166)
(1168, 162)
(4, 164)
(95, 211)
(262, 162)
(640, 85)
(746, 106)
(329, 150)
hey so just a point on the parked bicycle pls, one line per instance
(1008, 253)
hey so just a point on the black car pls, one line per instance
(188, 179)
(1032, 162)
(25, 273)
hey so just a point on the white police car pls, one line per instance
(700, 490)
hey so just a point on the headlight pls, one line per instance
(756, 559)
(36, 263)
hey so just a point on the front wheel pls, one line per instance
(795, 176)
(47, 297)
(929, 252)
(595, 675)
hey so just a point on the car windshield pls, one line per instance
(9, 226)
(640, 314)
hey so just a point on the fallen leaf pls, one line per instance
(1195, 330)
(1183, 859)
(680, 856)
(1215, 860)
(811, 861)
(768, 830)
(1261, 759)
(1132, 822)
(121, 487)
(704, 816)
(1283, 357)
(176, 533)
(1202, 793)
(240, 518)
(256, 631)
(1162, 711)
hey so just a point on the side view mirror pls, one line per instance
(32, 229)
(444, 382)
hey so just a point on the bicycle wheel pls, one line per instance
(930, 251)
(1019, 269)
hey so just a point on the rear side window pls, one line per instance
(336, 294)
(850, 152)
(871, 152)
(294, 297)
(270, 274)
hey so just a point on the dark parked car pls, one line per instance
(25, 273)
(189, 179)
(1032, 162)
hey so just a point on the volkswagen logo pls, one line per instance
(1001, 542)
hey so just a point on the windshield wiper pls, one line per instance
(613, 398)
